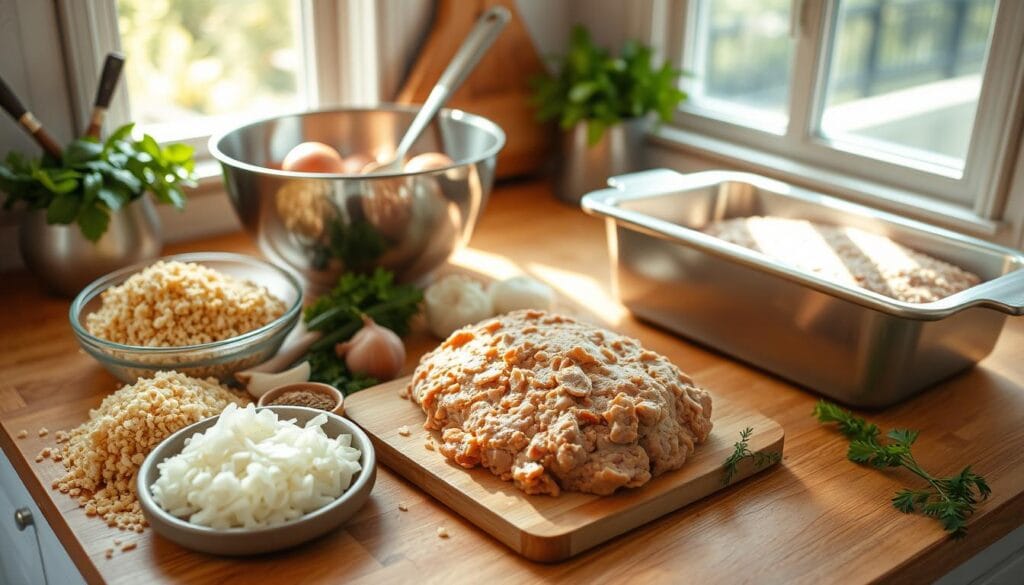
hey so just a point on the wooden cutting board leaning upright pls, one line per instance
(547, 528)
(499, 88)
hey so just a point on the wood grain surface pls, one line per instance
(817, 518)
(546, 528)
(499, 87)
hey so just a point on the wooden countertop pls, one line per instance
(816, 518)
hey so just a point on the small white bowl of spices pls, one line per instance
(308, 394)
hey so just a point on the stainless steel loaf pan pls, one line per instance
(854, 345)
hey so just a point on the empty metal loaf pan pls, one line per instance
(852, 344)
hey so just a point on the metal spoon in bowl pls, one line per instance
(479, 39)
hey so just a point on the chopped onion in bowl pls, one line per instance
(252, 470)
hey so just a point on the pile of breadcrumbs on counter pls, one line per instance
(172, 304)
(103, 455)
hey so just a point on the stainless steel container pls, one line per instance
(584, 167)
(66, 261)
(321, 225)
(851, 344)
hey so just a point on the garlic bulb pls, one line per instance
(295, 345)
(521, 292)
(453, 302)
(259, 383)
(374, 351)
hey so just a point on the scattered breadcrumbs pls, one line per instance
(45, 453)
(129, 546)
(442, 532)
(403, 507)
(117, 542)
(103, 454)
(43, 431)
(109, 553)
(22, 434)
(429, 445)
(39, 458)
(61, 436)
(171, 304)
(403, 430)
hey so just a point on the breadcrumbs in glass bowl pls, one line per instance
(206, 314)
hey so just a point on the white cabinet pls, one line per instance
(23, 558)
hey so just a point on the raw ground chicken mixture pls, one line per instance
(849, 256)
(553, 404)
(102, 456)
(172, 304)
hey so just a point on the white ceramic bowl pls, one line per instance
(251, 541)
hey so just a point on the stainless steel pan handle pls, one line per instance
(1005, 293)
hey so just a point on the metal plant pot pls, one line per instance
(584, 168)
(66, 261)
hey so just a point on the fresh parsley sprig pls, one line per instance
(950, 500)
(338, 315)
(94, 179)
(595, 87)
(741, 451)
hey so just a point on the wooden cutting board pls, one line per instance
(499, 87)
(546, 528)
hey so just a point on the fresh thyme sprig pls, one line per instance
(950, 500)
(742, 451)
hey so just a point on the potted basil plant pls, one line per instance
(87, 213)
(603, 105)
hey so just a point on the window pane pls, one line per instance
(741, 56)
(905, 76)
(193, 65)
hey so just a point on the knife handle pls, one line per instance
(104, 92)
(13, 106)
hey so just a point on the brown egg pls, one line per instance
(355, 163)
(428, 161)
(313, 157)
(370, 168)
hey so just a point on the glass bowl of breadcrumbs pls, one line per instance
(205, 314)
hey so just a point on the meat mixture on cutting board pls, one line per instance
(553, 404)
(848, 256)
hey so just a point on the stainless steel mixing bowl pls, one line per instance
(323, 224)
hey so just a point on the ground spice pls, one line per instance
(305, 398)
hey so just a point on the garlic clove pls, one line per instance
(261, 382)
(295, 345)
(373, 351)
(453, 302)
(521, 292)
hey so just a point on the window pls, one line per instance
(205, 64)
(741, 60)
(905, 77)
(196, 67)
(915, 97)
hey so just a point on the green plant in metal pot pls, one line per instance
(603, 90)
(93, 179)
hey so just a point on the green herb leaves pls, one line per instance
(949, 500)
(602, 90)
(93, 179)
(338, 314)
(741, 451)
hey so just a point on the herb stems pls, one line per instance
(950, 500)
(741, 451)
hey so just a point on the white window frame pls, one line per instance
(340, 48)
(974, 202)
